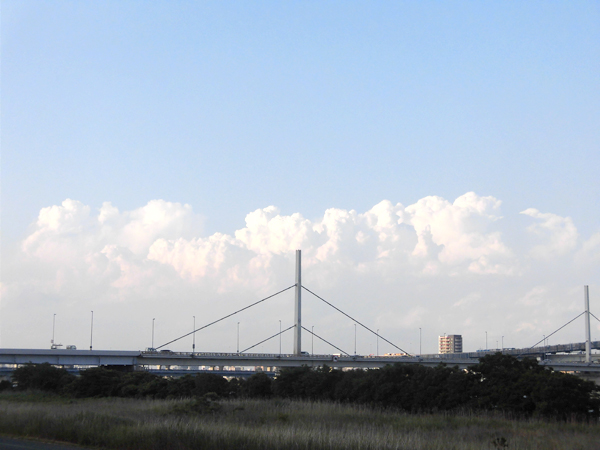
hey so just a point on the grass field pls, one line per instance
(272, 424)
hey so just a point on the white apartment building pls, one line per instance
(451, 343)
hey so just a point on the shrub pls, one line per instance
(44, 377)
(97, 382)
(210, 382)
(526, 388)
(258, 385)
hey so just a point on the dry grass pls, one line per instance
(274, 424)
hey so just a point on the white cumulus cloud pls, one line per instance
(435, 265)
(556, 235)
(457, 233)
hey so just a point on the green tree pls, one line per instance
(525, 388)
(258, 385)
(135, 384)
(182, 387)
(97, 382)
(44, 377)
(210, 383)
(289, 382)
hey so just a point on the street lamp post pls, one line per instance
(354, 339)
(502, 343)
(377, 341)
(486, 340)
(279, 337)
(153, 319)
(194, 336)
(238, 337)
(420, 341)
(312, 340)
(92, 331)
(53, 327)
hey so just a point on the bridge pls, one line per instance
(576, 358)
(245, 364)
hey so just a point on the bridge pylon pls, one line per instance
(298, 306)
(588, 338)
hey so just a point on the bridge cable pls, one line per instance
(229, 315)
(364, 326)
(337, 348)
(275, 335)
(594, 317)
(556, 331)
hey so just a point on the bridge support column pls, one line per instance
(588, 339)
(297, 309)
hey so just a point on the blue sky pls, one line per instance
(231, 107)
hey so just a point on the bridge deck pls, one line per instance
(167, 360)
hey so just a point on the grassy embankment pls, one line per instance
(272, 424)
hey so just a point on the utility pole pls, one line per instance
(92, 331)
(53, 327)
(153, 319)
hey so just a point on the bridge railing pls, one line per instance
(164, 353)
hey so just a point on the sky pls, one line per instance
(436, 163)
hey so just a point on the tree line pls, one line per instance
(498, 382)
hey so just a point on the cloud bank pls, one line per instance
(437, 265)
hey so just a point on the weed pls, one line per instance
(500, 443)
(204, 423)
(283, 417)
(202, 405)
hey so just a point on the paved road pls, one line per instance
(23, 444)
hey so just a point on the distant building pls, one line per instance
(451, 343)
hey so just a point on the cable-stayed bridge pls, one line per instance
(244, 364)
(575, 358)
